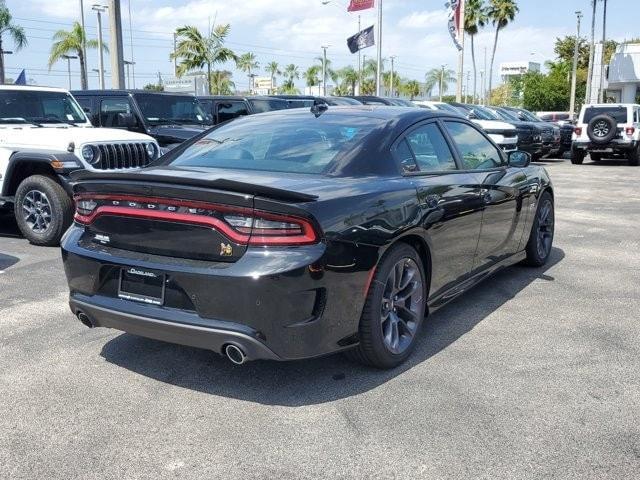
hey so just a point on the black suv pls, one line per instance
(170, 118)
(221, 108)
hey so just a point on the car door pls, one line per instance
(451, 211)
(503, 190)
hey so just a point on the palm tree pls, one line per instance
(195, 50)
(311, 75)
(500, 13)
(246, 63)
(412, 88)
(71, 41)
(475, 18)
(349, 76)
(16, 32)
(440, 77)
(221, 83)
(291, 73)
(273, 69)
(397, 82)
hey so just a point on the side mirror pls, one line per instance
(519, 159)
(126, 120)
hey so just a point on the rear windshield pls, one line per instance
(619, 113)
(295, 144)
(263, 105)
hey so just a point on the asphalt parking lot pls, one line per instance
(534, 374)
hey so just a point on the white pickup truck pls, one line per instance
(44, 136)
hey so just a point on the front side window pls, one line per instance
(430, 149)
(296, 144)
(476, 150)
(111, 110)
(23, 106)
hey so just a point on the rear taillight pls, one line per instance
(630, 130)
(578, 131)
(242, 225)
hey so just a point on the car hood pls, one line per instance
(493, 125)
(167, 134)
(59, 138)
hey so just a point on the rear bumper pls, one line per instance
(607, 147)
(282, 304)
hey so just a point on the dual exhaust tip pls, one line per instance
(234, 353)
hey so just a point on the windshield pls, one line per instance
(489, 114)
(446, 107)
(171, 109)
(264, 105)
(505, 115)
(294, 144)
(618, 113)
(39, 107)
(530, 117)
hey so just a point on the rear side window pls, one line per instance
(231, 110)
(618, 113)
(477, 152)
(430, 149)
(261, 106)
(280, 143)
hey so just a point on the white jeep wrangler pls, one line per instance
(604, 130)
(44, 136)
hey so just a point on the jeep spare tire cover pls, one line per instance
(602, 129)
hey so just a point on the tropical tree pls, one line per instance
(66, 42)
(273, 69)
(397, 82)
(330, 72)
(440, 77)
(154, 87)
(412, 88)
(475, 18)
(291, 74)
(368, 86)
(195, 50)
(247, 63)
(221, 83)
(500, 13)
(349, 77)
(16, 32)
(312, 75)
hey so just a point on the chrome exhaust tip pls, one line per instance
(235, 354)
(84, 318)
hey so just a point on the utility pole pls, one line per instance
(604, 42)
(481, 99)
(117, 47)
(484, 87)
(467, 87)
(572, 101)
(441, 81)
(83, 65)
(100, 9)
(379, 63)
(68, 58)
(359, 60)
(175, 58)
(324, 70)
(587, 97)
(460, 55)
(126, 64)
(393, 58)
(132, 63)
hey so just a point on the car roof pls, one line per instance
(237, 97)
(108, 93)
(32, 88)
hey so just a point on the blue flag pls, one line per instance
(22, 78)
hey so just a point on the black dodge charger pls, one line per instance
(299, 233)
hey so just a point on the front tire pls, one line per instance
(43, 210)
(542, 232)
(394, 310)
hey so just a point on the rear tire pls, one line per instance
(577, 156)
(542, 232)
(633, 156)
(394, 310)
(43, 210)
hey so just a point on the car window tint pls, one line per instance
(618, 113)
(477, 152)
(430, 149)
(230, 110)
(110, 108)
(406, 158)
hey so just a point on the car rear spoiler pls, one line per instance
(219, 184)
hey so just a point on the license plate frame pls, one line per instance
(151, 286)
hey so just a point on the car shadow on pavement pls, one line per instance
(322, 380)
(8, 225)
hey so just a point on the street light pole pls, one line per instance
(99, 9)
(69, 58)
(379, 63)
(441, 81)
(572, 101)
(83, 65)
(359, 60)
(126, 64)
(604, 42)
(461, 55)
(393, 58)
(324, 70)
(587, 97)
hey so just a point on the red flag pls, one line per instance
(357, 5)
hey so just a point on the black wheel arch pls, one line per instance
(23, 164)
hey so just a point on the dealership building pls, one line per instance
(623, 79)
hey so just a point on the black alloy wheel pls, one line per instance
(394, 309)
(542, 232)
